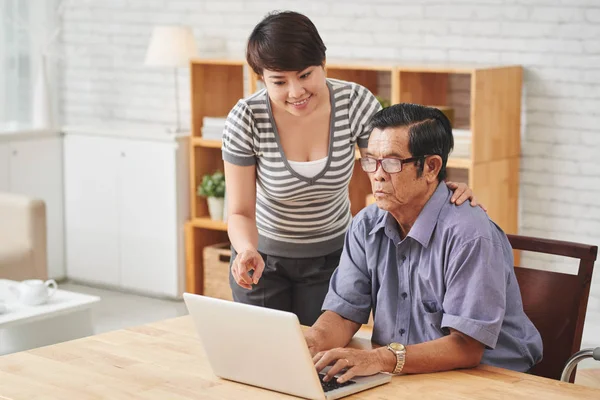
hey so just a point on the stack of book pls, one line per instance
(212, 128)
(462, 143)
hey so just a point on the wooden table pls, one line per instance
(165, 360)
(588, 377)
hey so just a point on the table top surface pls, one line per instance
(61, 302)
(588, 377)
(166, 360)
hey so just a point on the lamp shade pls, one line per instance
(171, 46)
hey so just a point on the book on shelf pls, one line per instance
(462, 143)
(212, 128)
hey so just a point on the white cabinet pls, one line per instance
(126, 201)
(91, 210)
(31, 164)
(148, 224)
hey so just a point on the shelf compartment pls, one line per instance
(215, 89)
(205, 159)
(199, 233)
(375, 77)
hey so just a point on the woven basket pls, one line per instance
(216, 271)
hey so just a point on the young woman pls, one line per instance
(288, 152)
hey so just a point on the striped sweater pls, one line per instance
(297, 216)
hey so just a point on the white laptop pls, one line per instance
(265, 348)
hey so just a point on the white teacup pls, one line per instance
(34, 292)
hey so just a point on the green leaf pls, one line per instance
(212, 185)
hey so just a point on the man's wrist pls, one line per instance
(388, 359)
(311, 335)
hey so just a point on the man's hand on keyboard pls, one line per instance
(355, 362)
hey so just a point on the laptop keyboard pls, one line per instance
(332, 384)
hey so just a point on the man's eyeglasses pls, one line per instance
(389, 165)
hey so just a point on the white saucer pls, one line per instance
(3, 308)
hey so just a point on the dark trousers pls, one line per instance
(297, 285)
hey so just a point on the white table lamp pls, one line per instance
(171, 46)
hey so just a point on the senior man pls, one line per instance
(438, 278)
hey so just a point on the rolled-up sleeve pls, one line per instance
(475, 298)
(238, 138)
(349, 292)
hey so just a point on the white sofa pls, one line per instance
(23, 247)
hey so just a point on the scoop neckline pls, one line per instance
(286, 162)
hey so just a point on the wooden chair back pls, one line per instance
(555, 302)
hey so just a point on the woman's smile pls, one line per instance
(300, 104)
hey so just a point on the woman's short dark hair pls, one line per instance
(285, 41)
(429, 130)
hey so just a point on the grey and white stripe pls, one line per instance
(297, 216)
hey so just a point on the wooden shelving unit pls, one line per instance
(491, 169)
(216, 85)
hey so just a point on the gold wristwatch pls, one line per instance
(400, 351)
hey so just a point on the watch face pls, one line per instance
(397, 346)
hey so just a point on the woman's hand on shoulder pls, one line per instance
(244, 262)
(462, 193)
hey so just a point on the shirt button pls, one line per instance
(402, 331)
(403, 258)
(404, 295)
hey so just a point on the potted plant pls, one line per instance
(384, 102)
(213, 188)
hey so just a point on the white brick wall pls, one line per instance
(557, 41)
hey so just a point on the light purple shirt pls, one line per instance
(454, 270)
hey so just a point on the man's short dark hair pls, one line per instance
(285, 41)
(429, 130)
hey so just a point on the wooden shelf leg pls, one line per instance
(193, 275)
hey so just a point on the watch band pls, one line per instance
(400, 359)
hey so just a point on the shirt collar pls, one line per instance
(382, 221)
(422, 230)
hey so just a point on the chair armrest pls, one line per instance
(576, 358)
